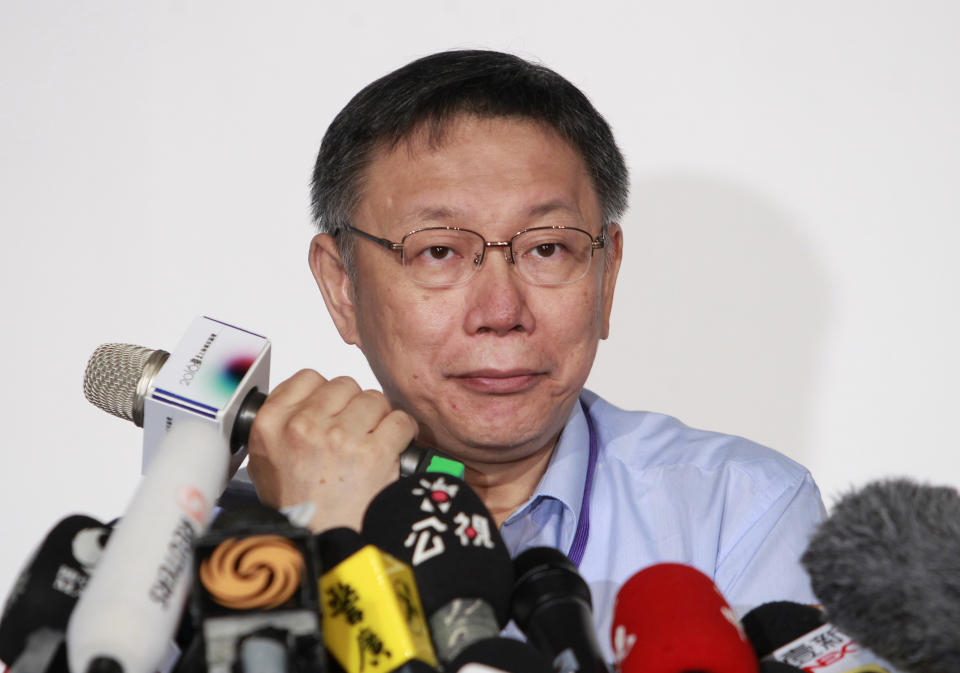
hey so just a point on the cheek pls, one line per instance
(577, 318)
(406, 325)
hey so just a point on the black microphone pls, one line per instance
(441, 528)
(799, 636)
(43, 597)
(773, 666)
(255, 597)
(886, 566)
(772, 625)
(552, 606)
(500, 655)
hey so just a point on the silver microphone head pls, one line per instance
(118, 377)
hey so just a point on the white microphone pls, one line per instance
(188, 403)
(125, 619)
(218, 374)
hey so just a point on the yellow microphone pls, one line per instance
(372, 615)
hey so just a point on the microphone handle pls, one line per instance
(460, 623)
(563, 630)
(413, 460)
(128, 613)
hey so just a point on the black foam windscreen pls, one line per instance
(772, 625)
(441, 528)
(336, 545)
(47, 588)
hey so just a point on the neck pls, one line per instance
(503, 487)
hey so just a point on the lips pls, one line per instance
(499, 381)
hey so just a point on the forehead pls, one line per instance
(499, 167)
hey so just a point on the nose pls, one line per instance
(497, 298)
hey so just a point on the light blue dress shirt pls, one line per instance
(663, 492)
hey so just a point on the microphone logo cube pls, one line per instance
(372, 615)
(259, 579)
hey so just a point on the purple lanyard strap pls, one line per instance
(579, 545)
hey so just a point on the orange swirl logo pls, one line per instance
(257, 572)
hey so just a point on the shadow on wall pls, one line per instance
(720, 313)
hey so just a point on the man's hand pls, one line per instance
(329, 443)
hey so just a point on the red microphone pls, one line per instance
(671, 618)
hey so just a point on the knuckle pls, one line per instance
(306, 379)
(300, 429)
(338, 436)
(262, 431)
(407, 419)
(347, 383)
(374, 396)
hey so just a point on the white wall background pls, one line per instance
(789, 270)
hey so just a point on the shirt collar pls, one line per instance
(567, 471)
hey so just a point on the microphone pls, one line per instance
(500, 655)
(36, 612)
(218, 374)
(255, 599)
(799, 636)
(215, 375)
(551, 604)
(440, 527)
(126, 617)
(373, 617)
(770, 666)
(886, 566)
(772, 625)
(671, 618)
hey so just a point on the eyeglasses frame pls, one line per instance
(596, 243)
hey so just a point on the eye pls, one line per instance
(547, 249)
(439, 252)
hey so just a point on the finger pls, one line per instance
(364, 411)
(282, 403)
(330, 398)
(396, 429)
(290, 393)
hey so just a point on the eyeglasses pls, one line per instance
(449, 256)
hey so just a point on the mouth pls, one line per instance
(499, 381)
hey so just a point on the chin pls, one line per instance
(503, 438)
(484, 426)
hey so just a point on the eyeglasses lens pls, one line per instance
(543, 256)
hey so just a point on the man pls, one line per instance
(468, 205)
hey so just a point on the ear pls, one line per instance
(612, 253)
(335, 286)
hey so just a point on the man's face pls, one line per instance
(490, 368)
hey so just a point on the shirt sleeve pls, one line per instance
(763, 565)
